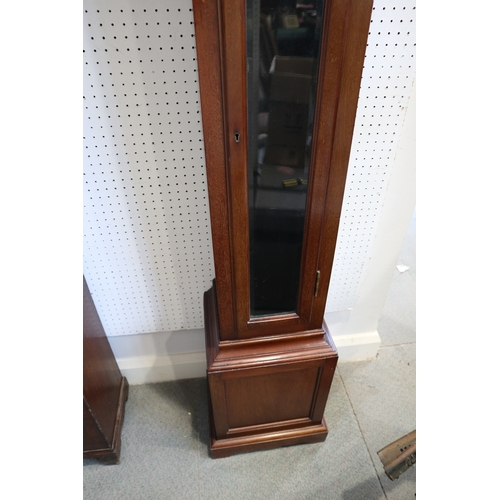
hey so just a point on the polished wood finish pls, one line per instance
(267, 391)
(105, 390)
(269, 377)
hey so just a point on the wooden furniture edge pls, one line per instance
(111, 455)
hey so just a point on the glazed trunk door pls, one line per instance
(278, 158)
(282, 58)
(236, 157)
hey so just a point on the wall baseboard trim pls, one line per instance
(164, 368)
(153, 369)
(358, 346)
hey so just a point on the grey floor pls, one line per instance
(371, 403)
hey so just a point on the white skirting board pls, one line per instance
(153, 369)
(358, 346)
(162, 368)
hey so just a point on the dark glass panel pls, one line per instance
(283, 40)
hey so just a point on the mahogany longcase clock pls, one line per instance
(279, 84)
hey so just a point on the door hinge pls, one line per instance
(316, 286)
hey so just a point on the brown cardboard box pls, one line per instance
(291, 80)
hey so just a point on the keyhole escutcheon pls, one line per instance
(237, 137)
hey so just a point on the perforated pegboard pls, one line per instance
(146, 222)
(388, 76)
(147, 240)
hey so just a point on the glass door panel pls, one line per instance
(283, 43)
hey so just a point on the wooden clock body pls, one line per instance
(105, 389)
(275, 205)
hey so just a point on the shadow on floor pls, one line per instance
(192, 396)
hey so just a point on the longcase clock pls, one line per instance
(279, 84)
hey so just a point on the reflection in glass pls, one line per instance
(283, 39)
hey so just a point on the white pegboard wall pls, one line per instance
(147, 241)
(388, 76)
(147, 254)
